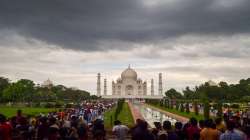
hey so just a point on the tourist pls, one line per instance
(43, 129)
(53, 130)
(5, 129)
(171, 135)
(23, 128)
(193, 131)
(178, 131)
(119, 130)
(201, 124)
(157, 130)
(209, 132)
(230, 133)
(98, 130)
(18, 116)
(220, 125)
(141, 132)
(185, 129)
(82, 130)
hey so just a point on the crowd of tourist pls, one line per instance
(70, 124)
(218, 129)
(86, 123)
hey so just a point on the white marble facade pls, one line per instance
(129, 85)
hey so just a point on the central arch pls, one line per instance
(129, 90)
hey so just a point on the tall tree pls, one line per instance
(4, 83)
(173, 94)
(22, 90)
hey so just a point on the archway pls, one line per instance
(129, 90)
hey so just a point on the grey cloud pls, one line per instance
(82, 24)
(228, 73)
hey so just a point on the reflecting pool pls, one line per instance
(151, 115)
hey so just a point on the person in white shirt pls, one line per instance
(119, 130)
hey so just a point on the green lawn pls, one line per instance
(184, 114)
(11, 111)
(125, 117)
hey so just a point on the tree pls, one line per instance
(196, 110)
(21, 91)
(173, 94)
(187, 108)
(219, 108)
(182, 107)
(177, 105)
(4, 83)
(206, 110)
(189, 94)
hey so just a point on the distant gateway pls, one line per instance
(129, 86)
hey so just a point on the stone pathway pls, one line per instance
(135, 112)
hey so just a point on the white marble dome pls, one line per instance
(129, 74)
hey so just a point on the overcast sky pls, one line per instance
(70, 41)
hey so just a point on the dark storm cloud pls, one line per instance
(82, 24)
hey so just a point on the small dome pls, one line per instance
(129, 74)
(47, 83)
(212, 83)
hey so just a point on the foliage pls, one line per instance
(189, 94)
(187, 108)
(4, 83)
(173, 94)
(182, 107)
(219, 108)
(25, 90)
(119, 108)
(177, 105)
(223, 91)
(125, 116)
(225, 105)
(11, 111)
(206, 110)
(196, 110)
(235, 106)
(49, 105)
(22, 90)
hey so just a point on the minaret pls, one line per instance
(105, 87)
(113, 88)
(160, 84)
(98, 93)
(145, 88)
(152, 87)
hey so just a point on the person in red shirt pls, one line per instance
(5, 128)
(193, 131)
(61, 115)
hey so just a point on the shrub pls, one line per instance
(219, 108)
(48, 105)
(58, 104)
(182, 107)
(196, 110)
(177, 106)
(69, 106)
(187, 107)
(225, 105)
(119, 108)
(37, 104)
(235, 106)
(206, 110)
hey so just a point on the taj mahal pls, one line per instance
(130, 86)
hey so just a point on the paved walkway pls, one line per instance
(135, 112)
(172, 115)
